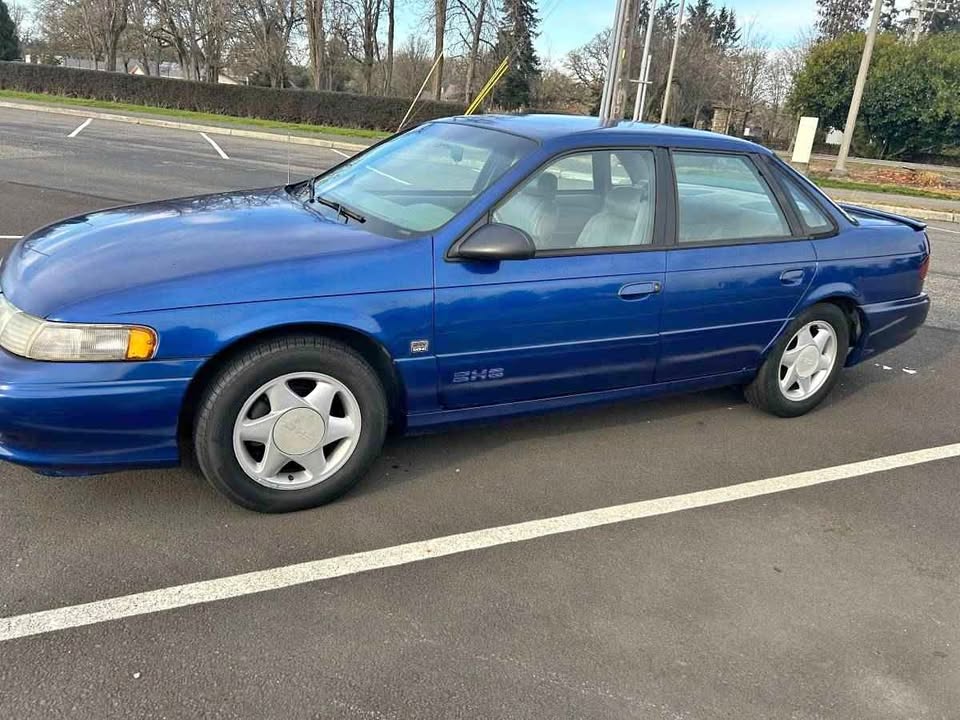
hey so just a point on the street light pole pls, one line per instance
(673, 62)
(841, 166)
(641, 101)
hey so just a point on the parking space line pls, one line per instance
(378, 172)
(206, 591)
(10, 237)
(80, 128)
(390, 177)
(216, 147)
(937, 228)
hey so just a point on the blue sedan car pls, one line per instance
(471, 268)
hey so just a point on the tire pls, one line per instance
(231, 464)
(767, 392)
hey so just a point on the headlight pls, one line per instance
(38, 339)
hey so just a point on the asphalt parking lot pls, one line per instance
(832, 600)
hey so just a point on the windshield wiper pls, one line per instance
(341, 209)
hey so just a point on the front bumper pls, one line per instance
(86, 418)
(888, 324)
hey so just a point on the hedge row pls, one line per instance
(297, 106)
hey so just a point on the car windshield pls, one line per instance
(419, 180)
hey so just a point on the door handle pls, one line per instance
(791, 277)
(637, 291)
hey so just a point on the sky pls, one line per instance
(573, 22)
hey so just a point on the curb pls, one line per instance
(193, 127)
(912, 212)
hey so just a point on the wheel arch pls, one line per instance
(372, 350)
(842, 296)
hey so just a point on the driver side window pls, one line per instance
(593, 199)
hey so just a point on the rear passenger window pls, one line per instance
(723, 197)
(814, 218)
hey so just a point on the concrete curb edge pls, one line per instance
(919, 213)
(193, 127)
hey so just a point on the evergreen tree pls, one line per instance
(839, 17)
(9, 43)
(515, 39)
(702, 19)
(726, 33)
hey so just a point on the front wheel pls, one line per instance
(804, 364)
(291, 424)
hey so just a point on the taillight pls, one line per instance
(924, 268)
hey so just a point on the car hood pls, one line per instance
(205, 250)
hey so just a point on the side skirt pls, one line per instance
(425, 422)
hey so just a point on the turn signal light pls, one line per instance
(141, 343)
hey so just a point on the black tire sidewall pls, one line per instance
(774, 399)
(234, 386)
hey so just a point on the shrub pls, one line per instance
(297, 106)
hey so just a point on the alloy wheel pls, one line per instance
(808, 360)
(297, 430)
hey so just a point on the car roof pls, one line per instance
(544, 128)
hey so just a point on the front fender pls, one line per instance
(393, 319)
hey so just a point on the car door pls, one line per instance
(583, 314)
(739, 266)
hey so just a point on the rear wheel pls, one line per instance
(291, 424)
(804, 365)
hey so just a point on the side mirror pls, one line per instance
(494, 242)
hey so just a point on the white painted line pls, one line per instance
(216, 147)
(80, 128)
(940, 229)
(378, 172)
(207, 591)
(10, 237)
(390, 177)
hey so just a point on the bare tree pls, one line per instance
(391, 32)
(265, 27)
(316, 40)
(439, 34)
(475, 16)
(19, 14)
(411, 65)
(589, 63)
(360, 33)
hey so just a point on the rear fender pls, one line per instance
(831, 292)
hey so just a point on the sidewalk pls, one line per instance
(917, 207)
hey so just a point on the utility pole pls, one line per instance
(631, 15)
(641, 101)
(608, 99)
(841, 166)
(673, 62)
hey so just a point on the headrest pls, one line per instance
(625, 201)
(547, 184)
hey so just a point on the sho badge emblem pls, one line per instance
(419, 346)
(465, 376)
